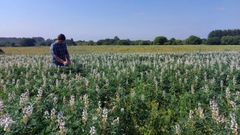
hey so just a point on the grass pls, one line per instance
(123, 49)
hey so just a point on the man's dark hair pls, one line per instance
(61, 37)
(1, 51)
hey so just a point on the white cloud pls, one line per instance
(220, 9)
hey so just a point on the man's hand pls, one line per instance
(67, 62)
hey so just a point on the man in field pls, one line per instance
(59, 52)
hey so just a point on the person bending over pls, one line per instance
(59, 52)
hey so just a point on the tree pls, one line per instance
(214, 41)
(204, 41)
(222, 33)
(91, 42)
(144, 42)
(179, 42)
(39, 41)
(100, 42)
(193, 40)
(172, 41)
(230, 40)
(116, 39)
(71, 42)
(27, 42)
(124, 42)
(160, 40)
(48, 42)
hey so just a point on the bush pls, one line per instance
(222, 33)
(193, 40)
(230, 40)
(214, 41)
(27, 42)
(123, 42)
(161, 40)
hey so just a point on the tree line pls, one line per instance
(216, 37)
(28, 42)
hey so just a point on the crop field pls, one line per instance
(124, 49)
(131, 94)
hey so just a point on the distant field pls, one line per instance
(122, 49)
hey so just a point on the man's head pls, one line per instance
(61, 38)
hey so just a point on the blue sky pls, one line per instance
(134, 19)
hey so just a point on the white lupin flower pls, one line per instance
(234, 81)
(84, 115)
(192, 89)
(215, 112)
(227, 93)
(61, 123)
(86, 101)
(122, 110)
(39, 95)
(53, 113)
(115, 121)
(27, 112)
(1, 106)
(72, 101)
(24, 98)
(206, 88)
(233, 105)
(190, 116)
(234, 125)
(6, 122)
(46, 115)
(92, 130)
(221, 84)
(104, 115)
(177, 129)
(200, 111)
(55, 100)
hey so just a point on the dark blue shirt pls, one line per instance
(59, 50)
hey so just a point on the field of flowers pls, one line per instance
(121, 94)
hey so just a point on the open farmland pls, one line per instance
(194, 93)
(124, 49)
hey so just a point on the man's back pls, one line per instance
(59, 50)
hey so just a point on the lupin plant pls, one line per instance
(195, 93)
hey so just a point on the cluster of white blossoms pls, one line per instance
(24, 98)
(92, 130)
(234, 125)
(6, 122)
(71, 102)
(215, 112)
(99, 96)
(61, 123)
(27, 112)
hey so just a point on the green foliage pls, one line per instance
(225, 37)
(222, 33)
(123, 42)
(214, 41)
(27, 42)
(121, 94)
(160, 40)
(193, 40)
(230, 40)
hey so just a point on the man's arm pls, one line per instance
(67, 54)
(59, 59)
